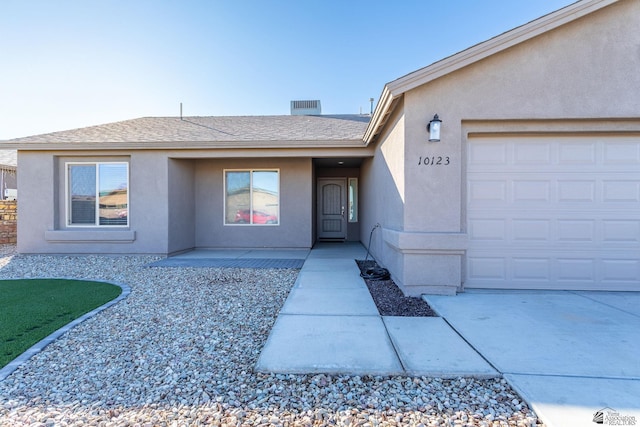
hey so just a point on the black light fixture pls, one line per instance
(434, 129)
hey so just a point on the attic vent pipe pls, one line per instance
(306, 108)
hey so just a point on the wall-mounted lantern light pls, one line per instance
(434, 129)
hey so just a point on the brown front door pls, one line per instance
(332, 203)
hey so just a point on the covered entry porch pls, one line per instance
(337, 199)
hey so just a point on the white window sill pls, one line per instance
(90, 236)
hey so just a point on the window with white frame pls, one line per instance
(252, 197)
(97, 194)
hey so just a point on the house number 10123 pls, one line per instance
(434, 161)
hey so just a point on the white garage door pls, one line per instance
(553, 213)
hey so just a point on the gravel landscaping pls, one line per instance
(180, 351)
(390, 300)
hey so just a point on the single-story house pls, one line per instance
(533, 182)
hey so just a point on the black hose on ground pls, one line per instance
(376, 272)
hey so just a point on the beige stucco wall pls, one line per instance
(42, 228)
(176, 204)
(181, 205)
(587, 69)
(148, 177)
(383, 192)
(295, 228)
(37, 194)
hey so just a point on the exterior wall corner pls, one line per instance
(425, 263)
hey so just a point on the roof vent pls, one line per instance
(305, 108)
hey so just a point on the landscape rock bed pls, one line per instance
(389, 298)
(180, 351)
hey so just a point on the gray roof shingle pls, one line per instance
(214, 129)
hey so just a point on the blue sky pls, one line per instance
(74, 63)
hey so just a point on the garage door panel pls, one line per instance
(568, 229)
(621, 154)
(487, 191)
(488, 229)
(564, 189)
(532, 269)
(543, 153)
(554, 269)
(577, 230)
(577, 153)
(621, 270)
(531, 230)
(615, 191)
(576, 191)
(615, 231)
(488, 269)
(527, 190)
(487, 153)
(577, 188)
(536, 153)
(570, 222)
(576, 269)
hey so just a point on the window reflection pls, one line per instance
(252, 197)
(82, 189)
(113, 200)
(104, 183)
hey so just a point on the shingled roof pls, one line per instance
(212, 129)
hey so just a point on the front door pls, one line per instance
(332, 202)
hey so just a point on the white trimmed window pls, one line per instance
(97, 194)
(252, 197)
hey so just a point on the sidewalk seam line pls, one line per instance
(393, 345)
(603, 303)
(593, 377)
(473, 347)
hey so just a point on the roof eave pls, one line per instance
(393, 90)
(380, 114)
(181, 145)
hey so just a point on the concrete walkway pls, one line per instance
(569, 354)
(330, 324)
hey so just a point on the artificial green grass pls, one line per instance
(31, 309)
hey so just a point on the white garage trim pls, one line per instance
(553, 212)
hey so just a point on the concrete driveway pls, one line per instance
(572, 355)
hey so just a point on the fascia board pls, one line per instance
(346, 152)
(196, 145)
(309, 152)
(378, 119)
